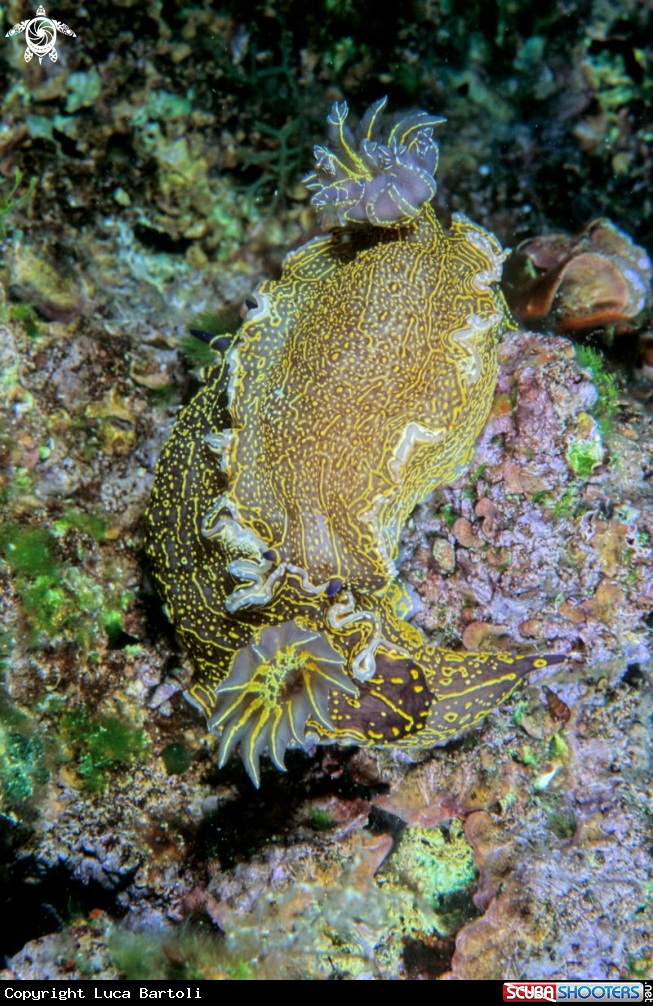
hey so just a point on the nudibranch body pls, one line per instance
(357, 383)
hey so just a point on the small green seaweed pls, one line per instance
(471, 490)
(527, 756)
(562, 823)
(567, 505)
(94, 524)
(520, 708)
(28, 550)
(25, 315)
(320, 819)
(477, 474)
(60, 599)
(187, 954)
(282, 159)
(583, 456)
(177, 758)
(100, 745)
(640, 967)
(11, 201)
(167, 394)
(281, 124)
(605, 383)
(448, 515)
(23, 763)
(199, 353)
(558, 748)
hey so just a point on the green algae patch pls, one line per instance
(585, 452)
(198, 353)
(83, 89)
(567, 505)
(470, 492)
(10, 200)
(640, 966)
(95, 525)
(59, 599)
(219, 323)
(101, 745)
(28, 551)
(563, 824)
(177, 758)
(558, 749)
(23, 759)
(437, 865)
(183, 955)
(25, 315)
(449, 515)
(320, 820)
(605, 383)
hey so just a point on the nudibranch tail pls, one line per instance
(362, 178)
(468, 685)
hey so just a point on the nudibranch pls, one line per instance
(358, 382)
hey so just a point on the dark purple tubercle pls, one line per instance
(334, 587)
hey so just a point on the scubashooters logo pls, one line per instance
(40, 35)
(574, 992)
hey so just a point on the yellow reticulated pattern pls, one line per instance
(357, 383)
